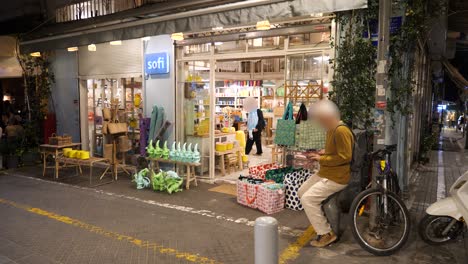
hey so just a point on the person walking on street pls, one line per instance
(334, 173)
(461, 123)
(255, 125)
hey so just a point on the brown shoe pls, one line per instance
(324, 240)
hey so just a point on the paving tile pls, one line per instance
(35, 259)
(4, 259)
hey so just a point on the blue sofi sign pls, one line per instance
(157, 63)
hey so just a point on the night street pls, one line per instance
(234, 131)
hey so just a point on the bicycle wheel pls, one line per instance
(390, 228)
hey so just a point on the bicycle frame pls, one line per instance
(383, 166)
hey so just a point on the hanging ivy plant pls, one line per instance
(38, 80)
(355, 68)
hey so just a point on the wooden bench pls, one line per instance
(91, 163)
(190, 169)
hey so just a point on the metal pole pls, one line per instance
(266, 240)
(382, 91)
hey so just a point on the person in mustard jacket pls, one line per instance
(334, 173)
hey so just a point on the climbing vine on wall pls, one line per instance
(355, 67)
(403, 44)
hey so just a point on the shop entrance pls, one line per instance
(98, 94)
(215, 79)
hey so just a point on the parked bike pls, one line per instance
(445, 219)
(379, 218)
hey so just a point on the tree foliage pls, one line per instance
(355, 69)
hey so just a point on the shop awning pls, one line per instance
(229, 15)
(9, 66)
(456, 77)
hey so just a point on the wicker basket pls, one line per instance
(64, 140)
(60, 140)
(53, 139)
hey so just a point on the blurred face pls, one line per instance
(327, 121)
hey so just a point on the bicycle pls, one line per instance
(380, 220)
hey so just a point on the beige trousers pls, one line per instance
(312, 193)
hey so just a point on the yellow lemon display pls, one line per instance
(66, 151)
(72, 154)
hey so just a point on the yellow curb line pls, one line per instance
(292, 251)
(100, 231)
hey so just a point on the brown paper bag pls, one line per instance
(117, 128)
(108, 149)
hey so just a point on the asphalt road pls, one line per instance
(50, 222)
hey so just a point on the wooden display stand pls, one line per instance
(54, 151)
(220, 155)
(296, 93)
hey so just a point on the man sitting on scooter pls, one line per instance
(334, 173)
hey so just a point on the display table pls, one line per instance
(221, 155)
(91, 162)
(54, 151)
(190, 167)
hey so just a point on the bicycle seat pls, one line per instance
(388, 149)
(391, 147)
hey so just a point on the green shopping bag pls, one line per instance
(309, 135)
(286, 128)
(277, 175)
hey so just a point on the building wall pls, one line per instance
(65, 93)
(160, 89)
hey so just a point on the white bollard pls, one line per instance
(266, 240)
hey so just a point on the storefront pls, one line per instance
(215, 75)
(109, 73)
(112, 73)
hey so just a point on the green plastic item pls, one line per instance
(141, 179)
(166, 181)
(165, 151)
(158, 150)
(280, 91)
(154, 116)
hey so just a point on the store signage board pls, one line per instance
(157, 63)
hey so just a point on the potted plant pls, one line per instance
(30, 156)
(11, 151)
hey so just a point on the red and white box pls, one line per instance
(247, 194)
(270, 201)
(259, 171)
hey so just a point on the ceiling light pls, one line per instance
(316, 15)
(92, 47)
(116, 43)
(263, 25)
(177, 36)
(35, 54)
(71, 49)
(217, 28)
(146, 38)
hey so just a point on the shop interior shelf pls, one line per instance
(195, 82)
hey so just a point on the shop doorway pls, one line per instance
(97, 94)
